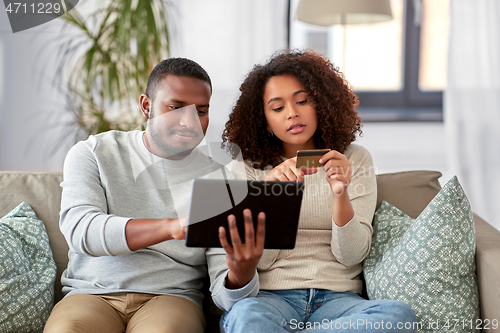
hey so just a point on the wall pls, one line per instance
(33, 120)
(35, 129)
(401, 146)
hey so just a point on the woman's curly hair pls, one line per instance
(333, 100)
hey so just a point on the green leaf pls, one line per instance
(99, 68)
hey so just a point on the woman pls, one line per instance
(298, 101)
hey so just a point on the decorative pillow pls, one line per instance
(428, 262)
(27, 272)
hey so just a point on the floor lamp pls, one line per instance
(329, 12)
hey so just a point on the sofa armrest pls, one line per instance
(488, 270)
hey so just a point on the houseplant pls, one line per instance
(104, 63)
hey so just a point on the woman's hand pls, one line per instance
(242, 258)
(287, 172)
(337, 171)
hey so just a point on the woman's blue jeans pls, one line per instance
(317, 310)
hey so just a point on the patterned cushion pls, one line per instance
(428, 262)
(27, 272)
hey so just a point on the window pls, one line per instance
(397, 68)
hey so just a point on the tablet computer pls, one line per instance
(213, 200)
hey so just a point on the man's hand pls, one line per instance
(141, 233)
(242, 259)
(287, 172)
(178, 227)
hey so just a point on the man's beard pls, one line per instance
(163, 144)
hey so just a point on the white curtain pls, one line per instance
(472, 103)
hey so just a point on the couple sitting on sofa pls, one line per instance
(126, 194)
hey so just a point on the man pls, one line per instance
(125, 197)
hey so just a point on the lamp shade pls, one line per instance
(328, 12)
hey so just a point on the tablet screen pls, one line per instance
(214, 199)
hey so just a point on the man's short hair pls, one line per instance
(178, 67)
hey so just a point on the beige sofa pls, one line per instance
(409, 191)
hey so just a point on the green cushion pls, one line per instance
(428, 262)
(27, 272)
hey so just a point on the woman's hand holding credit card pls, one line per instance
(309, 160)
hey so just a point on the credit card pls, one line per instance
(310, 158)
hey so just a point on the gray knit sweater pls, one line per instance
(325, 256)
(111, 178)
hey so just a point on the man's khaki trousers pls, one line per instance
(133, 312)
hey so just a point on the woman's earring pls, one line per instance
(270, 132)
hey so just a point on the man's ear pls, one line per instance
(145, 104)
